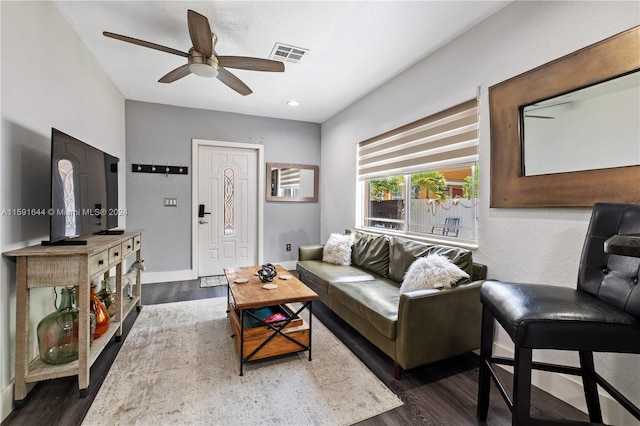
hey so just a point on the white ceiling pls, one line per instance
(354, 47)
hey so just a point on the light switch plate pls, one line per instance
(171, 202)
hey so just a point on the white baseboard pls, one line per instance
(289, 265)
(190, 274)
(569, 389)
(6, 401)
(168, 276)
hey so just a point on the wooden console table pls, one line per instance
(72, 265)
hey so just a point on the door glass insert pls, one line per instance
(228, 228)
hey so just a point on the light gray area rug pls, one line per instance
(213, 280)
(178, 365)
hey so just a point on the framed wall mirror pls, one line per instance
(543, 152)
(292, 182)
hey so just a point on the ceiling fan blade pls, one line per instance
(176, 74)
(233, 82)
(200, 33)
(145, 44)
(253, 64)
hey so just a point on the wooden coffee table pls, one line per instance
(249, 302)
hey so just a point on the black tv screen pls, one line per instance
(84, 188)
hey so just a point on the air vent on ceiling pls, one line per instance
(287, 53)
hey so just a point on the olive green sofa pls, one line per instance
(414, 328)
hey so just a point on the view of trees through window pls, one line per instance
(440, 203)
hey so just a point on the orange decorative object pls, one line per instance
(102, 316)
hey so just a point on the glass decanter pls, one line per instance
(58, 331)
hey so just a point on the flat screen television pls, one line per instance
(84, 190)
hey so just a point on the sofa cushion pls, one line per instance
(432, 271)
(320, 273)
(371, 252)
(403, 252)
(375, 301)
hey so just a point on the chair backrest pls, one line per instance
(451, 226)
(611, 278)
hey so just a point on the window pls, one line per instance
(422, 178)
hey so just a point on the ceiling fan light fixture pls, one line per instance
(203, 70)
(202, 66)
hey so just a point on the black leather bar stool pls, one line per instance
(601, 315)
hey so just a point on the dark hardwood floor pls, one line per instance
(442, 393)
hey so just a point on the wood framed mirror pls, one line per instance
(510, 186)
(292, 182)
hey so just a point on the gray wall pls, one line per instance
(161, 134)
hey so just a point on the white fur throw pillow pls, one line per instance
(337, 250)
(433, 271)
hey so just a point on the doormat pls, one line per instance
(212, 281)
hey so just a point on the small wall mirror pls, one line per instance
(292, 182)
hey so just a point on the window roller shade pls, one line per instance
(290, 178)
(447, 137)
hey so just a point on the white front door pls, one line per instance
(227, 208)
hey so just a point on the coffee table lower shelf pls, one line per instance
(267, 341)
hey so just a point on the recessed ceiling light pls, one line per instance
(293, 103)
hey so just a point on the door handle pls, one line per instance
(202, 221)
(201, 211)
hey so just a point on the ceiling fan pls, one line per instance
(202, 59)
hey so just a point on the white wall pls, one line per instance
(48, 79)
(526, 245)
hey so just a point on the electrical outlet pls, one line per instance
(288, 247)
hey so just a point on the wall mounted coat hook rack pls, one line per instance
(155, 168)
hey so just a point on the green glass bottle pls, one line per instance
(58, 331)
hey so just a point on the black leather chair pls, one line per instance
(601, 315)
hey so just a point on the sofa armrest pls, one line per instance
(438, 324)
(479, 272)
(310, 252)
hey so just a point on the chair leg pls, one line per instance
(484, 378)
(590, 386)
(522, 386)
